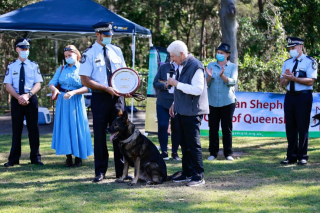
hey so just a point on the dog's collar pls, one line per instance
(132, 137)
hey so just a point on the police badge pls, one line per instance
(83, 59)
(7, 72)
(38, 70)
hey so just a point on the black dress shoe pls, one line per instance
(37, 163)
(286, 162)
(302, 162)
(78, 162)
(10, 164)
(69, 162)
(99, 178)
(129, 177)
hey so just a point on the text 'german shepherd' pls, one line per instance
(138, 151)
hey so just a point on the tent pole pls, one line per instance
(133, 48)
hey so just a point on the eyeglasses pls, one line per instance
(68, 49)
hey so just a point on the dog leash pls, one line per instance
(138, 97)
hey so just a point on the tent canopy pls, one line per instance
(65, 19)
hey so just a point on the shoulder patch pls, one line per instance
(83, 58)
(7, 72)
(88, 49)
(314, 62)
(38, 70)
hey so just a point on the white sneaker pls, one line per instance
(230, 158)
(211, 157)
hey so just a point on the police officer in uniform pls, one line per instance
(98, 63)
(23, 81)
(298, 75)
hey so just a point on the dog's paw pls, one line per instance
(150, 182)
(131, 184)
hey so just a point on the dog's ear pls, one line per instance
(120, 113)
(125, 114)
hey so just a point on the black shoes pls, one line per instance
(8, 164)
(37, 163)
(78, 162)
(69, 162)
(181, 178)
(196, 182)
(302, 162)
(165, 156)
(175, 156)
(99, 178)
(286, 162)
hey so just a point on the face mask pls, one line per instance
(106, 40)
(220, 57)
(71, 60)
(24, 54)
(294, 53)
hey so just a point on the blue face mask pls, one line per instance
(106, 40)
(220, 57)
(71, 60)
(294, 53)
(24, 54)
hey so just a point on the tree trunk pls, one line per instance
(229, 27)
(202, 30)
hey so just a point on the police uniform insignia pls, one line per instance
(314, 62)
(7, 72)
(88, 49)
(38, 70)
(83, 58)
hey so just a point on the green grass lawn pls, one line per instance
(254, 182)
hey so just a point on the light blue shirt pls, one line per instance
(221, 93)
(307, 68)
(32, 74)
(93, 63)
(69, 78)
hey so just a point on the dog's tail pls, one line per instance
(177, 174)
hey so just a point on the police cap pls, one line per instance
(103, 27)
(293, 41)
(224, 47)
(23, 43)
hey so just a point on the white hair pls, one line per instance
(178, 46)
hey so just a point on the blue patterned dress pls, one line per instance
(71, 132)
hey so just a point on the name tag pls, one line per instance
(15, 73)
(97, 61)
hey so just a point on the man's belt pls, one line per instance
(299, 92)
(99, 91)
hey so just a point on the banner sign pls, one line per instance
(259, 114)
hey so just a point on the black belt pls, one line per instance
(65, 90)
(99, 91)
(299, 92)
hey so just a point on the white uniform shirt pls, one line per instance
(31, 72)
(93, 63)
(306, 68)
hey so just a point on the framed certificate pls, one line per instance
(124, 81)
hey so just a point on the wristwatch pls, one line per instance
(30, 93)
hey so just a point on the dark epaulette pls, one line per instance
(12, 62)
(33, 62)
(287, 59)
(311, 58)
(87, 49)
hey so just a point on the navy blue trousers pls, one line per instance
(192, 165)
(105, 110)
(163, 124)
(297, 109)
(18, 112)
(223, 114)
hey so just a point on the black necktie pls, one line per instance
(292, 88)
(177, 75)
(108, 64)
(21, 80)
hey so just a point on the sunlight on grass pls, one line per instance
(254, 182)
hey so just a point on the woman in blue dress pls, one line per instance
(71, 132)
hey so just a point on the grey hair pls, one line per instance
(176, 47)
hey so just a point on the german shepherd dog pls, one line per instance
(138, 151)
